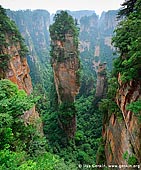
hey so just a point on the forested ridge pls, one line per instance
(77, 123)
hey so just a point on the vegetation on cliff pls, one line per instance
(64, 54)
(127, 69)
(8, 30)
(127, 41)
(33, 25)
(83, 146)
(22, 145)
(29, 146)
(25, 142)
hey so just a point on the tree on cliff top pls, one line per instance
(65, 31)
(64, 23)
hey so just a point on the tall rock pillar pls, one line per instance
(65, 64)
(101, 85)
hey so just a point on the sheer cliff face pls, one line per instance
(34, 27)
(127, 93)
(31, 24)
(65, 68)
(17, 70)
(123, 135)
(108, 22)
(65, 64)
(95, 39)
(66, 77)
(13, 64)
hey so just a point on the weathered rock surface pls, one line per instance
(65, 63)
(101, 85)
(66, 77)
(65, 67)
(123, 134)
(18, 72)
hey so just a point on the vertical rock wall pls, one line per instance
(122, 134)
(65, 68)
(65, 64)
(18, 72)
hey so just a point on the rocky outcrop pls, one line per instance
(18, 72)
(128, 93)
(17, 68)
(66, 77)
(95, 40)
(108, 21)
(66, 69)
(65, 63)
(101, 85)
(122, 133)
(116, 141)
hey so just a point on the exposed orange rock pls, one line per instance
(123, 134)
(66, 69)
(127, 93)
(18, 72)
(65, 64)
(117, 142)
(66, 79)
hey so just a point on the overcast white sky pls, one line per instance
(53, 5)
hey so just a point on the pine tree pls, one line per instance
(127, 8)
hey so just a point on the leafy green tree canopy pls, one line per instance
(64, 23)
(13, 103)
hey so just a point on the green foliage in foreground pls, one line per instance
(22, 147)
(13, 103)
(20, 161)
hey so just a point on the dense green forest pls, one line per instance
(33, 150)
(25, 146)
